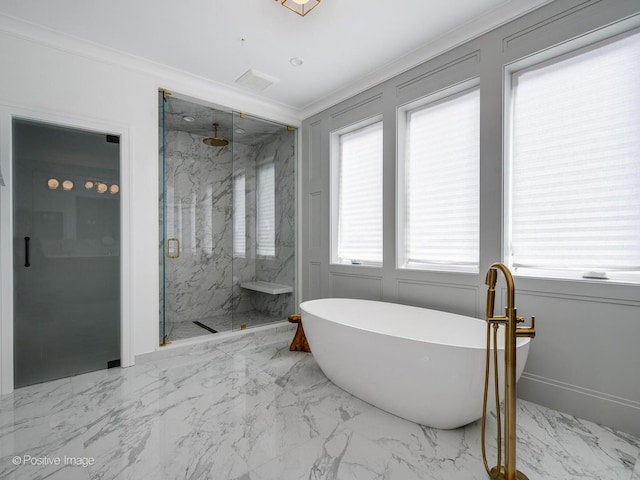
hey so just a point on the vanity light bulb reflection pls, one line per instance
(67, 185)
(53, 183)
(101, 187)
(88, 184)
(113, 189)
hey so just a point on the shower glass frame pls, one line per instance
(244, 307)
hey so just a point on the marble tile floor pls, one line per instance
(245, 408)
(222, 323)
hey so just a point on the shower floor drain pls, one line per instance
(200, 324)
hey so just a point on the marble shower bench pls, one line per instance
(266, 287)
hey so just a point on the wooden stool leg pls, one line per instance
(299, 342)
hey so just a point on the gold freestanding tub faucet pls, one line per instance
(512, 331)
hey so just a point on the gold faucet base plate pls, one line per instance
(499, 473)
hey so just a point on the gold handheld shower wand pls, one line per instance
(512, 331)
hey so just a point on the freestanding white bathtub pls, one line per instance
(423, 365)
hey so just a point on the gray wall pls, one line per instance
(585, 358)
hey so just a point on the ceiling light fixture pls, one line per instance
(301, 7)
(296, 62)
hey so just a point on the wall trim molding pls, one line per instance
(580, 298)
(474, 289)
(619, 413)
(451, 39)
(581, 390)
(333, 275)
(548, 21)
(473, 56)
(191, 84)
(375, 98)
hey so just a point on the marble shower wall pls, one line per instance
(204, 281)
(244, 267)
(281, 267)
(199, 214)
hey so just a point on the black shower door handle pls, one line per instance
(26, 252)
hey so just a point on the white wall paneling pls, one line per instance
(436, 78)
(588, 361)
(583, 357)
(345, 285)
(455, 298)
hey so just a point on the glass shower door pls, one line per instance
(227, 210)
(196, 208)
(67, 252)
(264, 155)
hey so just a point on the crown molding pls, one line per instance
(494, 18)
(232, 98)
(185, 83)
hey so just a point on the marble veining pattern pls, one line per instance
(199, 212)
(245, 408)
(280, 268)
(204, 280)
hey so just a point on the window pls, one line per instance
(439, 188)
(239, 216)
(266, 206)
(357, 200)
(574, 190)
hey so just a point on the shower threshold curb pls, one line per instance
(203, 341)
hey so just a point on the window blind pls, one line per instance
(360, 195)
(442, 222)
(239, 216)
(575, 172)
(266, 207)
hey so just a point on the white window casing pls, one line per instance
(357, 194)
(573, 172)
(439, 186)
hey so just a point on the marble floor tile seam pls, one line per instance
(577, 421)
(315, 412)
(45, 401)
(321, 459)
(282, 414)
(248, 352)
(469, 467)
(205, 341)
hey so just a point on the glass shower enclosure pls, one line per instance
(227, 209)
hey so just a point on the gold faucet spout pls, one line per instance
(511, 331)
(490, 280)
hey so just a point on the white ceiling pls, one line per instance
(346, 45)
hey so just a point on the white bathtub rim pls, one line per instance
(520, 342)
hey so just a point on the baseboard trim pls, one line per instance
(608, 410)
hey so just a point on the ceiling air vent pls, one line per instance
(256, 80)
